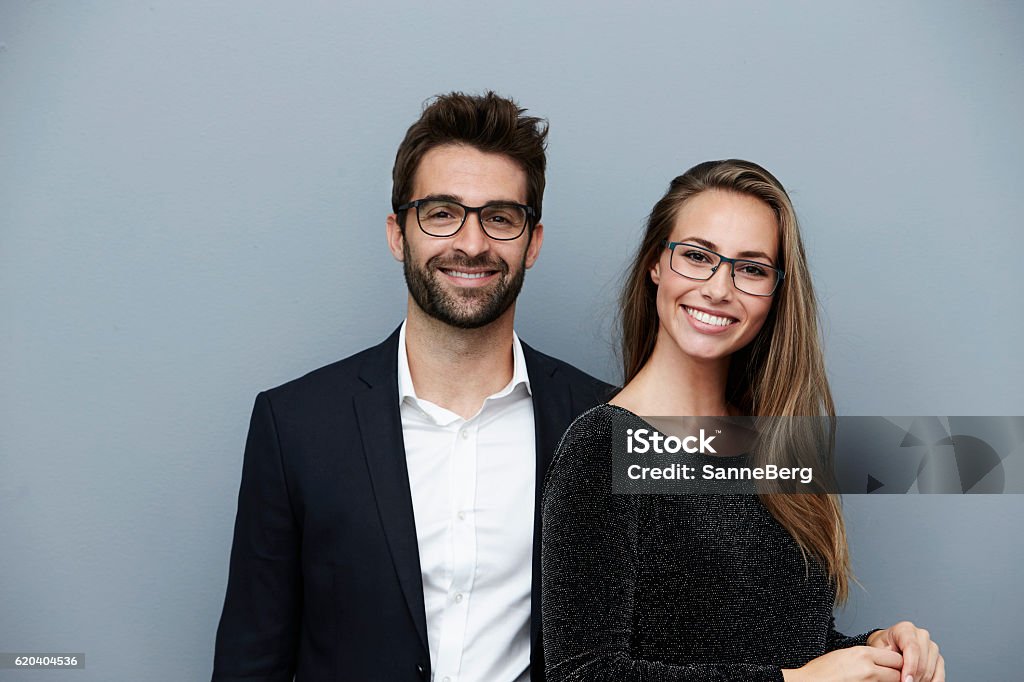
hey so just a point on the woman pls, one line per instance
(719, 318)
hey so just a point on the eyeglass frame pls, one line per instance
(671, 246)
(530, 213)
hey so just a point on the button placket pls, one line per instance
(463, 552)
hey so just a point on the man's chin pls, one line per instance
(464, 307)
(466, 319)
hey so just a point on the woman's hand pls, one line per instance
(921, 659)
(855, 664)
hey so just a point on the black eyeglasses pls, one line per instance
(444, 217)
(749, 276)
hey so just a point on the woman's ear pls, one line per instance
(656, 273)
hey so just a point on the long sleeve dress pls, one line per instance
(670, 587)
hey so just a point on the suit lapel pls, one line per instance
(380, 428)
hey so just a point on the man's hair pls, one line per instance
(488, 123)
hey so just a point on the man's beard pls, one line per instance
(487, 304)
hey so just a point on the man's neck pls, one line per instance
(458, 368)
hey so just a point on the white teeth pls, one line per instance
(467, 275)
(709, 319)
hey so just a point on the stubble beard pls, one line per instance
(470, 307)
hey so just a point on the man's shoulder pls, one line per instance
(356, 372)
(574, 376)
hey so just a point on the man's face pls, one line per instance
(467, 280)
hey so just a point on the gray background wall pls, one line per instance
(192, 203)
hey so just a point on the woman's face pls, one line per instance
(734, 225)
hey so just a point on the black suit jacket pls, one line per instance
(324, 581)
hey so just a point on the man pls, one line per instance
(388, 525)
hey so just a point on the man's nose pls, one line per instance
(471, 238)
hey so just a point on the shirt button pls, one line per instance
(458, 597)
(462, 516)
(447, 679)
(465, 435)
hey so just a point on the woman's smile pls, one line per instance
(708, 323)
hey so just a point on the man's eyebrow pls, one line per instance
(742, 254)
(456, 198)
(442, 197)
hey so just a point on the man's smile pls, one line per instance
(469, 276)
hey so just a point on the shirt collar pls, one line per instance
(519, 374)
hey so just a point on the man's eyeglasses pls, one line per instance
(749, 276)
(443, 217)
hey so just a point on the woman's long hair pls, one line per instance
(781, 372)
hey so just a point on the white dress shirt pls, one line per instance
(473, 484)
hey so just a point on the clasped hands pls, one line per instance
(901, 653)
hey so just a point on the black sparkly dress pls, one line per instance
(670, 587)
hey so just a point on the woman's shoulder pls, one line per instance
(596, 427)
(596, 418)
(587, 443)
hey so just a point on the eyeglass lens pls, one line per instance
(444, 218)
(750, 277)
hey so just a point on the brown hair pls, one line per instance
(781, 372)
(488, 123)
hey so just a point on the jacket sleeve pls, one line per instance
(259, 628)
(590, 561)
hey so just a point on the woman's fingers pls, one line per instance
(886, 658)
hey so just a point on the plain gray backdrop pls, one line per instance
(192, 205)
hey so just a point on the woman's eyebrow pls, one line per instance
(755, 254)
(743, 254)
(703, 242)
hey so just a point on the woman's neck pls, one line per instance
(672, 383)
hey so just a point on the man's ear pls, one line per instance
(396, 238)
(533, 250)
